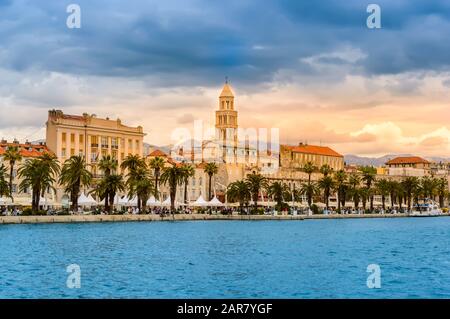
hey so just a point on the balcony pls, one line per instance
(105, 145)
(115, 147)
(94, 144)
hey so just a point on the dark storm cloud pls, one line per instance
(200, 42)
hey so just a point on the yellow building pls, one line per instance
(93, 137)
(297, 156)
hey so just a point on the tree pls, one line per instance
(279, 191)
(442, 189)
(12, 155)
(392, 189)
(211, 169)
(326, 170)
(74, 176)
(354, 182)
(368, 176)
(138, 181)
(309, 190)
(107, 165)
(141, 186)
(188, 171)
(238, 192)
(382, 186)
(326, 183)
(39, 174)
(4, 185)
(409, 185)
(340, 178)
(256, 182)
(173, 176)
(157, 164)
(107, 188)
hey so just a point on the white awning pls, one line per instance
(84, 200)
(200, 202)
(215, 202)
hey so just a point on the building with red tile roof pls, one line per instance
(297, 156)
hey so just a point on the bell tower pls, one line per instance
(227, 125)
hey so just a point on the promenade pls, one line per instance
(180, 217)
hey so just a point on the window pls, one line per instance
(72, 138)
(63, 152)
(63, 136)
(72, 152)
(105, 142)
(81, 139)
(130, 144)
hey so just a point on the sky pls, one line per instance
(313, 69)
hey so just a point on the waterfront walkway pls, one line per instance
(177, 217)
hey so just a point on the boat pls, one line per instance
(430, 208)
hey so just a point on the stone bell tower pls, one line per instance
(227, 125)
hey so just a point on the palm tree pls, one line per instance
(409, 185)
(132, 163)
(309, 189)
(4, 185)
(107, 188)
(174, 176)
(354, 182)
(137, 174)
(157, 164)
(327, 184)
(382, 186)
(141, 186)
(340, 178)
(39, 174)
(256, 182)
(239, 192)
(211, 169)
(279, 191)
(107, 165)
(188, 171)
(392, 189)
(442, 188)
(12, 155)
(74, 176)
(326, 170)
(368, 176)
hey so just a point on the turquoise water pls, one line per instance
(228, 259)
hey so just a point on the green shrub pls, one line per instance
(315, 209)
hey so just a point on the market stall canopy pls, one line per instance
(215, 202)
(152, 201)
(84, 200)
(5, 201)
(200, 202)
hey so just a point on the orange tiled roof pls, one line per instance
(407, 160)
(314, 149)
(157, 153)
(26, 150)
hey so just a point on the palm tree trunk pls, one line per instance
(209, 191)
(185, 192)
(38, 197)
(156, 186)
(173, 193)
(11, 170)
(383, 199)
(339, 201)
(106, 203)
